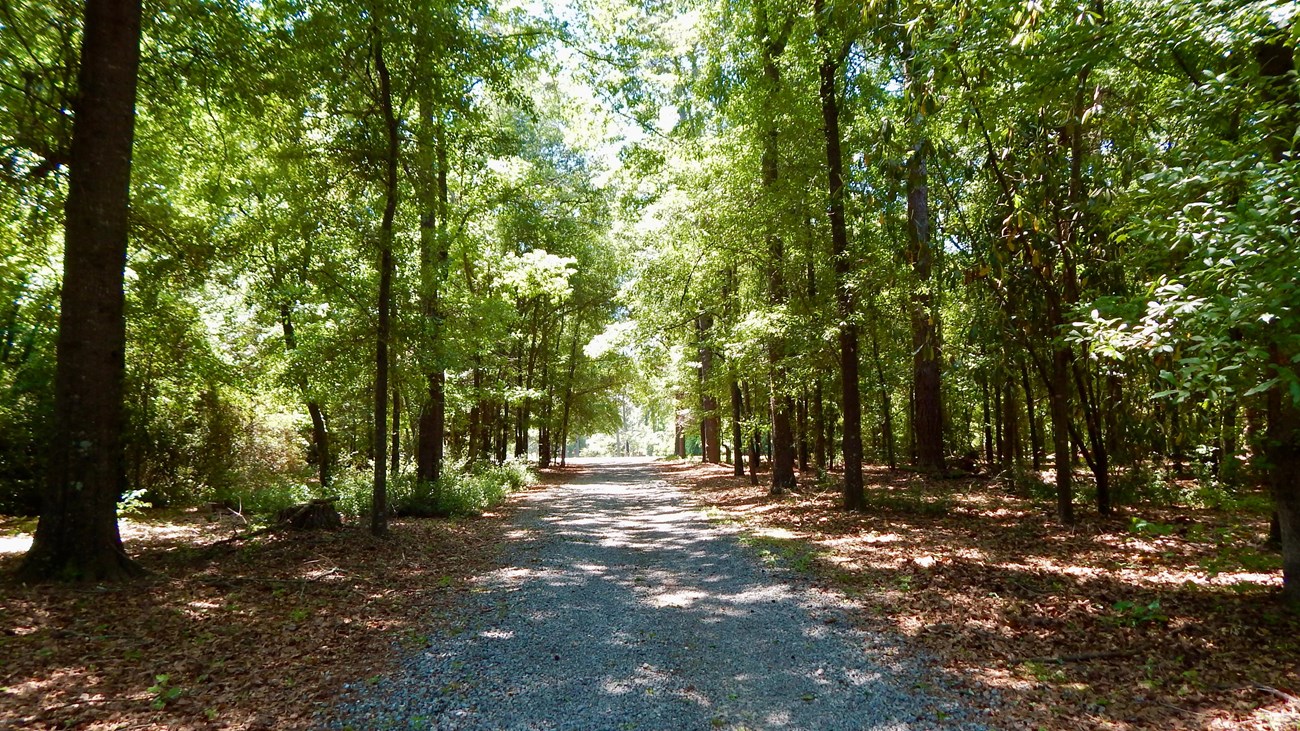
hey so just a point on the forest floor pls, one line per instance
(1154, 618)
(1157, 618)
(255, 635)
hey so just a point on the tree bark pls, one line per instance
(379, 502)
(737, 437)
(772, 44)
(710, 426)
(431, 140)
(927, 414)
(395, 435)
(568, 397)
(77, 537)
(1277, 66)
(850, 393)
(819, 427)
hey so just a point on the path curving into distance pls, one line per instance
(620, 607)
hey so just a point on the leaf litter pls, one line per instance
(258, 635)
(1156, 618)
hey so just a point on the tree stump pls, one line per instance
(314, 515)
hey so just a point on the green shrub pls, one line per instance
(464, 489)
(266, 497)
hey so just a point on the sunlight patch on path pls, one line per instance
(623, 608)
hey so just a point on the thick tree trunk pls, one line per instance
(1277, 65)
(433, 429)
(1283, 450)
(77, 537)
(927, 413)
(431, 142)
(782, 445)
(379, 502)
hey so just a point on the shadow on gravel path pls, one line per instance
(622, 608)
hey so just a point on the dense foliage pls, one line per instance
(1002, 236)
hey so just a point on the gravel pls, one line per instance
(621, 607)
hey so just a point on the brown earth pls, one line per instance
(1162, 618)
(257, 635)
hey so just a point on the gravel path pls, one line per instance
(621, 607)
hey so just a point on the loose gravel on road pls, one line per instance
(621, 607)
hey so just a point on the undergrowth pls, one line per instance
(464, 489)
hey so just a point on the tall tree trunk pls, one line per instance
(568, 396)
(819, 427)
(927, 414)
(431, 143)
(379, 502)
(1282, 451)
(1283, 455)
(737, 438)
(1094, 421)
(850, 395)
(772, 44)
(548, 403)
(710, 425)
(77, 536)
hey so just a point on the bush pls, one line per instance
(464, 489)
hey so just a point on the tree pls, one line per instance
(77, 537)
(772, 41)
(850, 394)
(383, 333)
